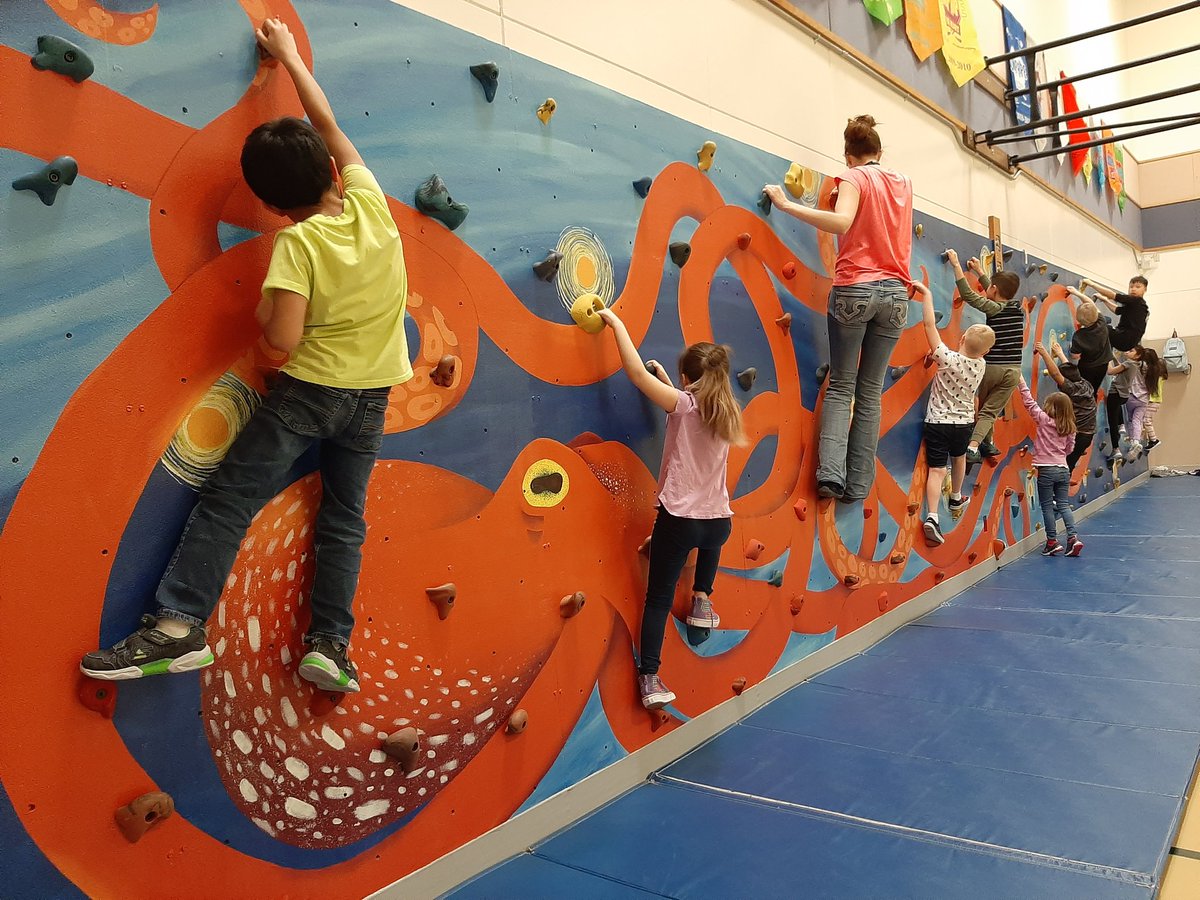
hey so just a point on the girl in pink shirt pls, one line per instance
(1053, 440)
(703, 420)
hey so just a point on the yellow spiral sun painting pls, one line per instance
(585, 267)
(207, 432)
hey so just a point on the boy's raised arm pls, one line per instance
(275, 38)
(928, 318)
(966, 292)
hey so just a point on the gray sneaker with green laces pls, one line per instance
(149, 651)
(328, 666)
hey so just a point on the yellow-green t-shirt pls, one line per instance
(351, 269)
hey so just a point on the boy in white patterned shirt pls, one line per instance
(950, 418)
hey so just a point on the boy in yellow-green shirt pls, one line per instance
(334, 298)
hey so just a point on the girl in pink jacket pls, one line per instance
(1052, 441)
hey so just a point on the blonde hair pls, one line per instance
(1087, 314)
(1060, 408)
(706, 366)
(979, 339)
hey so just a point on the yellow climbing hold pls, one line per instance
(546, 110)
(704, 156)
(802, 183)
(584, 310)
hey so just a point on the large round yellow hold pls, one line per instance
(584, 310)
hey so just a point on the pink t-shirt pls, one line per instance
(691, 481)
(878, 244)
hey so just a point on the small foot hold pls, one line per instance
(434, 200)
(754, 549)
(571, 604)
(584, 310)
(883, 601)
(60, 55)
(47, 180)
(443, 374)
(443, 597)
(739, 685)
(1099, 470)
(796, 606)
(939, 577)
(680, 252)
(764, 204)
(789, 270)
(1054, 276)
(898, 558)
(517, 722)
(704, 156)
(548, 267)
(776, 579)
(972, 556)
(868, 512)
(997, 548)
(143, 814)
(98, 696)
(785, 322)
(642, 186)
(404, 746)
(1007, 254)
(822, 373)
(743, 240)
(545, 112)
(919, 230)
(697, 635)
(801, 509)
(1008, 492)
(1083, 498)
(851, 581)
(897, 372)
(488, 76)
(745, 378)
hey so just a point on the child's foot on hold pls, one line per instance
(1135, 450)
(973, 456)
(933, 532)
(328, 666)
(1053, 548)
(703, 615)
(957, 506)
(1116, 456)
(987, 448)
(1074, 545)
(149, 651)
(654, 694)
(829, 489)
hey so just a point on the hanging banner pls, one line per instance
(1086, 166)
(886, 11)
(1070, 105)
(1098, 164)
(960, 41)
(1018, 71)
(1119, 187)
(923, 25)
(1110, 161)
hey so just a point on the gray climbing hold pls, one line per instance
(433, 199)
(548, 267)
(897, 372)
(642, 186)
(1054, 276)
(745, 378)
(1099, 470)
(764, 203)
(61, 56)
(1083, 498)
(680, 252)
(697, 635)
(1030, 269)
(46, 181)
(1008, 254)
(937, 317)
(488, 75)
(822, 373)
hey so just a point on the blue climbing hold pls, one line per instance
(433, 198)
(642, 186)
(47, 180)
(61, 56)
(776, 578)
(488, 75)
(764, 203)
(882, 536)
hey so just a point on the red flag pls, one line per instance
(1071, 105)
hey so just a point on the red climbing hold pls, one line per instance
(404, 746)
(744, 240)
(754, 549)
(868, 512)
(801, 509)
(972, 556)
(882, 603)
(739, 685)
(797, 605)
(785, 322)
(1008, 492)
(928, 360)
(789, 269)
(517, 721)
(913, 507)
(571, 604)
(851, 581)
(143, 814)
(443, 597)
(98, 696)
(939, 577)
(997, 548)
(1021, 496)
(443, 375)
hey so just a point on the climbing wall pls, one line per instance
(521, 474)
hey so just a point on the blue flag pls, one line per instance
(1018, 72)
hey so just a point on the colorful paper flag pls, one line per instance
(1070, 106)
(1119, 188)
(1086, 166)
(886, 11)
(1018, 71)
(923, 25)
(960, 41)
(1098, 163)
(1110, 161)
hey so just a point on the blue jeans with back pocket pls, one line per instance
(349, 426)
(865, 322)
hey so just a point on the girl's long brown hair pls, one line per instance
(1059, 406)
(1152, 365)
(706, 366)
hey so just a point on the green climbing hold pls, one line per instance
(488, 75)
(680, 252)
(822, 373)
(47, 180)
(776, 578)
(61, 56)
(764, 203)
(433, 199)
(548, 267)
(642, 186)
(745, 378)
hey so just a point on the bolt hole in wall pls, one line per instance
(291, 783)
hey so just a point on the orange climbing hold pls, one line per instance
(754, 549)
(404, 746)
(739, 685)
(789, 270)
(785, 322)
(743, 240)
(443, 375)
(443, 597)
(517, 721)
(997, 548)
(801, 509)
(1008, 492)
(98, 696)
(972, 556)
(143, 814)
(797, 605)
(571, 604)
(882, 603)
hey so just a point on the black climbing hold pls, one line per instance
(488, 75)
(697, 635)
(1083, 498)
(433, 199)
(642, 186)
(46, 181)
(1099, 470)
(652, 369)
(680, 252)
(1030, 269)
(897, 372)
(945, 256)
(822, 373)
(882, 536)
(1008, 254)
(551, 483)
(548, 267)
(61, 56)
(745, 378)
(764, 203)
(1103, 447)
(937, 317)
(1054, 276)
(1016, 510)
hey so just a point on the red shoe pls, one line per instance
(1074, 546)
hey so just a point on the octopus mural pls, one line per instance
(285, 791)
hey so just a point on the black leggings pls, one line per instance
(673, 539)
(1094, 375)
(1082, 443)
(1115, 404)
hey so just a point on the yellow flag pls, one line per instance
(960, 43)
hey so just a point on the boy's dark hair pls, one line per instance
(1140, 279)
(1070, 371)
(286, 163)
(1006, 283)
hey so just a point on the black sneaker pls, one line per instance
(327, 665)
(829, 489)
(987, 448)
(149, 651)
(933, 532)
(973, 457)
(1152, 443)
(957, 506)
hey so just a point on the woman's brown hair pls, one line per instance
(1059, 406)
(862, 139)
(706, 366)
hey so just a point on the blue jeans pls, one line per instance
(1054, 486)
(349, 425)
(865, 322)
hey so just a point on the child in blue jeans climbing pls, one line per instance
(703, 420)
(1053, 440)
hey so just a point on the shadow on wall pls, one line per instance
(523, 476)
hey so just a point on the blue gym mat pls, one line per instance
(1032, 738)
